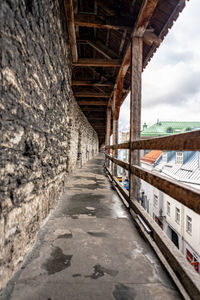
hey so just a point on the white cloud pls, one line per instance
(171, 81)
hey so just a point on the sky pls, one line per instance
(171, 80)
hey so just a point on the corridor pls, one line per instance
(89, 248)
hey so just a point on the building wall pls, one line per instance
(44, 135)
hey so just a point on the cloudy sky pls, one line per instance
(171, 81)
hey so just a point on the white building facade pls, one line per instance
(181, 224)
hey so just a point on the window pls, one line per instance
(179, 157)
(155, 201)
(168, 208)
(169, 130)
(164, 156)
(189, 225)
(177, 216)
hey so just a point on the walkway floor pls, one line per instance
(90, 249)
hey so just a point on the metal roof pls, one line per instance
(161, 128)
(188, 172)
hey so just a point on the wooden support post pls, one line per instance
(135, 110)
(108, 131)
(115, 141)
(116, 110)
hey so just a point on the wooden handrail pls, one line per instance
(186, 195)
(188, 141)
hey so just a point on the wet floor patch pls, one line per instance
(97, 234)
(91, 186)
(123, 292)
(76, 275)
(65, 236)
(100, 271)
(57, 261)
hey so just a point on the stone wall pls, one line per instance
(43, 133)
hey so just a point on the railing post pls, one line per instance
(135, 111)
(108, 131)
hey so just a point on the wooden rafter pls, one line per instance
(92, 62)
(85, 102)
(101, 48)
(90, 83)
(139, 29)
(105, 7)
(71, 28)
(91, 95)
(93, 21)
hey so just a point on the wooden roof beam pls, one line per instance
(71, 28)
(105, 7)
(91, 95)
(94, 62)
(95, 103)
(101, 48)
(91, 83)
(93, 21)
(140, 27)
(150, 37)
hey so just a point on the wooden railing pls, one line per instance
(180, 270)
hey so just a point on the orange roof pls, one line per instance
(152, 156)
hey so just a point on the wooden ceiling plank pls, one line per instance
(90, 83)
(94, 62)
(105, 7)
(101, 48)
(91, 95)
(93, 21)
(71, 28)
(85, 102)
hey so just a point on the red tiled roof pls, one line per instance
(152, 156)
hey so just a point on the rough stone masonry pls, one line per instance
(43, 133)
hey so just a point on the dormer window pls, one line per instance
(164, 157)
(179, 157)
(170, 130)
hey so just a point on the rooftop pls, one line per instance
(162, 128)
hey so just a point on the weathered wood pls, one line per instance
(120, 82)
(119, 146)
(185, 194)
(115, 140)
(91, 95)
(108, 126)
(85, 102)
(144, 17)
(105, 7)
(135, 110)
(101, 48)
(91, 83)
(71, 28)
(180, 4)
(94, 62)
(108, 130)
(150, 37)
(188, 141)
(93, 21)
(94, 109)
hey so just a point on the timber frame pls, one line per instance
(100, 35)
(111, 44)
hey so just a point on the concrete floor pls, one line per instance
(90, 249)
